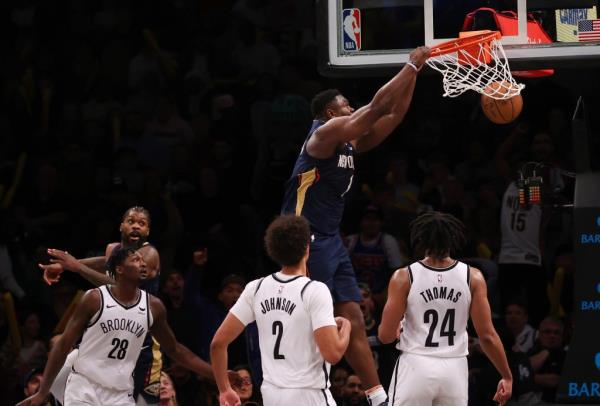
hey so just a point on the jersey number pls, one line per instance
(120, 346)
(278, 331)
(431, 316)
(517, 221)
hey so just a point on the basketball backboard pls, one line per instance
(363, 37)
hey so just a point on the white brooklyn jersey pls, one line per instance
(520, 230)
(112, 341)
(437, 311)
(287, 310)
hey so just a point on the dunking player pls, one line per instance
(433, 298)
(298, 335)
(134, 228)
(323, 174)
(114, 321)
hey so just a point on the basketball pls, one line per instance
(501, 111)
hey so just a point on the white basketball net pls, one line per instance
(464, 71)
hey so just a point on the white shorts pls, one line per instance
(422, 380)
(82, 391)
(276, 396)
(58, 386)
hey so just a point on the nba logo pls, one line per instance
(351, 25)
(440, 278)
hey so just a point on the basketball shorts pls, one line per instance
(275, 396)
(82, 391)
(422, 380)
(329, 262)
(58, 387)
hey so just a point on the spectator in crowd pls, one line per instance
(485, 379)
(547, 358)
(375, 255)
(246, 390)
(353, 393)
(168, 395)
(210, 315)
(179, 316)
(339, 375)
(405, 192)
(383, 354)
(515, 317)
(32, 382)
(33, 350)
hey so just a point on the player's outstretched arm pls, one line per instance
(228, 331)
(89, 305)
(488, 338)
(177, 351)
(395, 307)
(70, 263)
(402, 98)
(392, 98)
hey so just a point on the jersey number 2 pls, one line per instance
(278, 331)
(431, 316)
(120, 346)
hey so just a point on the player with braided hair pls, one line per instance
(433, 299)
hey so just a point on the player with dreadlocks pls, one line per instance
(433, 299)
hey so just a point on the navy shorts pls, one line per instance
(329, 262)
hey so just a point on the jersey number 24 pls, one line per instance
(447, 330)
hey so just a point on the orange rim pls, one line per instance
(461, 43)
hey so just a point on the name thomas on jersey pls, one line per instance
(440, 293)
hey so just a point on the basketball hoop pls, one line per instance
(474, 62)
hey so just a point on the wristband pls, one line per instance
(412, 65)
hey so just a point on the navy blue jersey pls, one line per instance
(317, 187)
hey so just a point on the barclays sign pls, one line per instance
(586, 389)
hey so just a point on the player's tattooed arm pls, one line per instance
(395, 307)
(89, 305)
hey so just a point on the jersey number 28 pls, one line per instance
(447, 330)
(119, 349)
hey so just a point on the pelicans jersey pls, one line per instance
(432, 368)
(317, 187)
(112, 342)
(316, 191)
(287, 310)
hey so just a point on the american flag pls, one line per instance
(588, 30)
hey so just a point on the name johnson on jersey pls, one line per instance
(277, 304)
